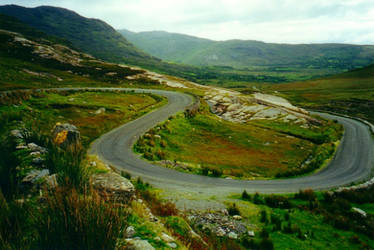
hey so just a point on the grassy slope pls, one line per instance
(256, 149)
(89, 35)
(350, 93)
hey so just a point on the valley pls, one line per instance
(106, 146)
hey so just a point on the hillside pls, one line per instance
(350, 93)
(92, 36)
(314, 59)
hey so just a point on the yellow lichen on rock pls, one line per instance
(61, 137)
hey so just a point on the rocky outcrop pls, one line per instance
(114, 187)
(235, 107)
(219, 224)
(66, 136)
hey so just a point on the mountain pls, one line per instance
(243, 54)
(92, 36)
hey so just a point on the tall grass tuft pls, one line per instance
(9, 182)
(71, 220)
(13, 224)
(68, 165)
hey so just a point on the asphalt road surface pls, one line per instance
(353, 161)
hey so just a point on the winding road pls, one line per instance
(353, 161)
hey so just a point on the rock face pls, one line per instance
(114, 187)
(66, 136)
(235, 107)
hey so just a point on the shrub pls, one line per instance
(216, 172)
(257, 199)
(148, 156)
(276, 220)
(73, 221)
(264, 233)
(307, 194)
(276, 201)
(233, 210)
(245, 195)
(126, 175)
(264, 216)
(205, 171)
(160, 155)
(164, 208)
(266, 243)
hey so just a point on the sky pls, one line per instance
(279, 21)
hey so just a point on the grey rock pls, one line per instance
(35, 175)
(16, 133)
(130, 232)
(220, 232)
(237, 217)
(233, 236)
(114, 187)
(251, 233)
(100, 111)
(37, 161)
(172, 245)
(36, 148)
(135, 244)
(360, 212)
(165, 237)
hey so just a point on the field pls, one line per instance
(351, 93)
(94, 113)
(207, 145)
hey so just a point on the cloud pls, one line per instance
(291, 21)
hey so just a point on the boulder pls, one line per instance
(172, 245)
(130, 232)
(36, 148)
(233, 236)
(35, 175)
(66, 136)
(165, 237)
(136, 244)
(114, 187)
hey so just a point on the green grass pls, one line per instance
(350, 93)
(79, 108)
(207, 145)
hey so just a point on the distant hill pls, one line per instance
(248, 54)
(92, 36)
(350, 93)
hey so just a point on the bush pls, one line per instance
(216, 172)
(233, 210)
(266, 243)
(257, 199)
(264, 216)
(276, 201)
(307, 194)
(245, 195)
(73, 221)
(205, 171)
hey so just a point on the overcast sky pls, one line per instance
(280, 21)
